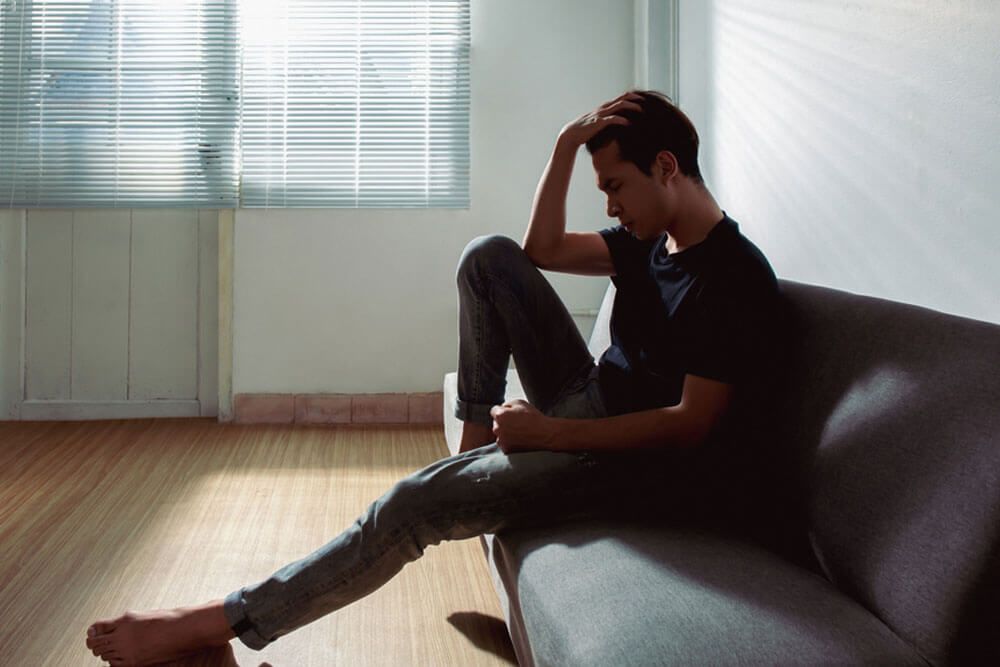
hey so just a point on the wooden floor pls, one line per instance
(97, 518)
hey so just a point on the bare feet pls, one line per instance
(152, 637)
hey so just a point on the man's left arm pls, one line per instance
(520, 427)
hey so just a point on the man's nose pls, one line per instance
(613, 210)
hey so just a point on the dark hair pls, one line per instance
(659, 126)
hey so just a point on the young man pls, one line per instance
(691, 325)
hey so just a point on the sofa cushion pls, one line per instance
(890, 422)
(608, 592)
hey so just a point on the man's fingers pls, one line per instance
(624, 104)
(602, 115)
(601, 121)
(615, 101)
(621, 98)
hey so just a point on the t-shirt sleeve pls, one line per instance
(629, 255)
(731, 332)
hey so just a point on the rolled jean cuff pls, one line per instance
(473, 412)
(234, 607)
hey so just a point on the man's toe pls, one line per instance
(100, 628)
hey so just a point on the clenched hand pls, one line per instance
(520, 426)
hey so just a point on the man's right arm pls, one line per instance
(546, 241)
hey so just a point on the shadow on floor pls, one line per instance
(486, 632)
(221, 656)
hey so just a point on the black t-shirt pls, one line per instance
(709, 310)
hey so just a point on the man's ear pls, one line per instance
(667, 162)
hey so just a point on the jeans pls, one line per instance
(505, 306)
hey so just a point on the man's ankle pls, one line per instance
(475, 435)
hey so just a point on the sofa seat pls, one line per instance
(677, 597)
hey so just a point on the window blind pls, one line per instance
(119, 103)
(355, 103)
(131, 103)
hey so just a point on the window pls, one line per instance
(355, 103)
(349, 103)
(118, 104)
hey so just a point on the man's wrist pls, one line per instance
(566, 143)
(560, 432)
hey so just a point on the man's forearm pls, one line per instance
(659, 428)
(548, 212)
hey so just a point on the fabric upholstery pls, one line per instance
(891, 419)
(610, 593)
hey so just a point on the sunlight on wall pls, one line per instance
(849, 142)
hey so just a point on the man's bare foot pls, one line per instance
(166, 634)
(475, 435)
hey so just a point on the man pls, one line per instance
(691, 325)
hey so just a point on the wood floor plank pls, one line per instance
(97, 518)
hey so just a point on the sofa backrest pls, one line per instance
(883, 449)
(890, 417)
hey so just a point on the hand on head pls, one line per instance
(589, 124)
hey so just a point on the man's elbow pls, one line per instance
(535, 254)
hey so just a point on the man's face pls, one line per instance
(637, 200)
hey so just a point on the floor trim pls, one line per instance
(423, 408)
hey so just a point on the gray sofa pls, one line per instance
(873, 536)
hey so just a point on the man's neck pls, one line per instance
(694, 221)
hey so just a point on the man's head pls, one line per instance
(646, 165)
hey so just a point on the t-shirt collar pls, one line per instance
(692, 252)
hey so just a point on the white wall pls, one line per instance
(856, 142)
(365, 301)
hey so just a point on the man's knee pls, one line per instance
(491, 250)
(443, 501)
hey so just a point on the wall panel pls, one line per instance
(100, 304)
(48, 323)
(164, 304)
